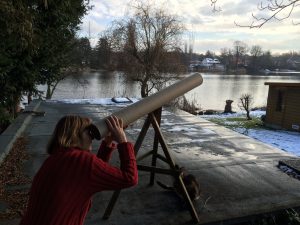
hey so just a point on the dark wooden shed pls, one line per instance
(283, 107)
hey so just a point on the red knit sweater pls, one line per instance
(62, 189)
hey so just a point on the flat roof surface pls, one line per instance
(283, 84)
(238, 175)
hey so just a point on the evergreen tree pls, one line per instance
(35, 41)
(56, 24)
(17, 71)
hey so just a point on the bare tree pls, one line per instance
(240, 49)
(103, 52)
(278, 10)
(227, 58)
(256, 52)
(246, 101)
(149, 45)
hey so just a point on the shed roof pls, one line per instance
(283, 84)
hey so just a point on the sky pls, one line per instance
(205, 29)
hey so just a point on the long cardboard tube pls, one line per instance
(149, 104)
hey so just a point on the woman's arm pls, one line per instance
(107, 177)
(116, 133)
(105, 150)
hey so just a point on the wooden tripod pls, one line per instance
(154, 118)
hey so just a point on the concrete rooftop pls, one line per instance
(238, 175)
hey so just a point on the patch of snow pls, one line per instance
(257, 113)
(96, 101)
(231, 122)
(181, 128)
(206, 131)
(286, 140)
(198, 140)
(167, 123)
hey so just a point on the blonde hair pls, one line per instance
(67, 132)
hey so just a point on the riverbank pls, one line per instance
(285, 140)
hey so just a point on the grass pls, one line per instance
(186, 105)
(238, 122)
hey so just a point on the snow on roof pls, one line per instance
(97, 101)
(286, 140)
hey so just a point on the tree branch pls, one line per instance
(214, 5)
(275, 7)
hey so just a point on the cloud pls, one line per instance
(207, 30)
(233, 8)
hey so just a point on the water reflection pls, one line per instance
(212, 94)
(96, 85)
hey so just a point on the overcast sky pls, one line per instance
(206, 30)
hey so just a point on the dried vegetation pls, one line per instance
(13, 182)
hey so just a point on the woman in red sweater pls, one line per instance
(62, 189)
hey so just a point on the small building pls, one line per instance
(209, 62)
(283, 107)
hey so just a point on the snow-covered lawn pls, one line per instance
(285, 140)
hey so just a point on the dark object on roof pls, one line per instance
(121, 100)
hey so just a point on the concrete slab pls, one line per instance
(15, 130)
(238, 175)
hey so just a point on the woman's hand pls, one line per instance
(115, 126)
(109, 140)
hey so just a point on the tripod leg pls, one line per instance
(157, 115)
(154, 157)
(188, 200)
(141, 136)
(111, 205)
(164, 146)
(162, 142)
(137, 146)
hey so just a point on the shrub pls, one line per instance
(183, 104)
(5, 119)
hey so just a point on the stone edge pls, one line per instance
(19, 130)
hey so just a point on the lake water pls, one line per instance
(212, 94)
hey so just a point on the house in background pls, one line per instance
(283, 107)
(294, 62)
(207, 64)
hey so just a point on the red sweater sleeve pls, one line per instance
(105, 152)
(107, 177)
